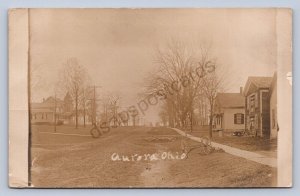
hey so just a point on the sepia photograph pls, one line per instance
(152, 98)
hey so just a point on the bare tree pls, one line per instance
(202, 105)
(179, 78)
(111, 104)
(211, 86)
(114, 104)
(73, 80)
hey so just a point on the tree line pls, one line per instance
(75, 80)
(187, 79)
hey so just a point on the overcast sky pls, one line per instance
(117, 45)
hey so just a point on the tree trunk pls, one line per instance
(210, 128)
(134, 121)
(171, 124)
(191, 120)
(211, 121)
(182, 121)
(205, 114)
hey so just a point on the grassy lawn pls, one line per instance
(216, 169)
(44, 136)
(244, 143)
(68, 129)
(86, 162)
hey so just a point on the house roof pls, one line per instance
(230, 100)
(256, 82)
(48, 103)
(261, 82)
(51, 100)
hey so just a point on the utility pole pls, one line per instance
(94, 103)
(84, 108)
(115, 108)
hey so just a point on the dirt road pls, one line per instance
(136, 157)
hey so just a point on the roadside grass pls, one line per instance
(161, 131)
(68, 129)
(217, 169)
(89, 164)
(243, 142)
(45, 136)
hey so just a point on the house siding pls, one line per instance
(42, 117)
(228, 120)
(258, 113)
(265, 114)
(229, 113)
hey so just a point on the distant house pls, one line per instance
(44, 112)
(258, 91)
(229, 112)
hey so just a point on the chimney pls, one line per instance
(241, 90)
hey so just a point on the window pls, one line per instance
(239, 118)
(252, 103)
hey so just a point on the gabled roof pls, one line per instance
(51, 100)
(256, 82)
(48, 103)
(230, 100)
(261, 82)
